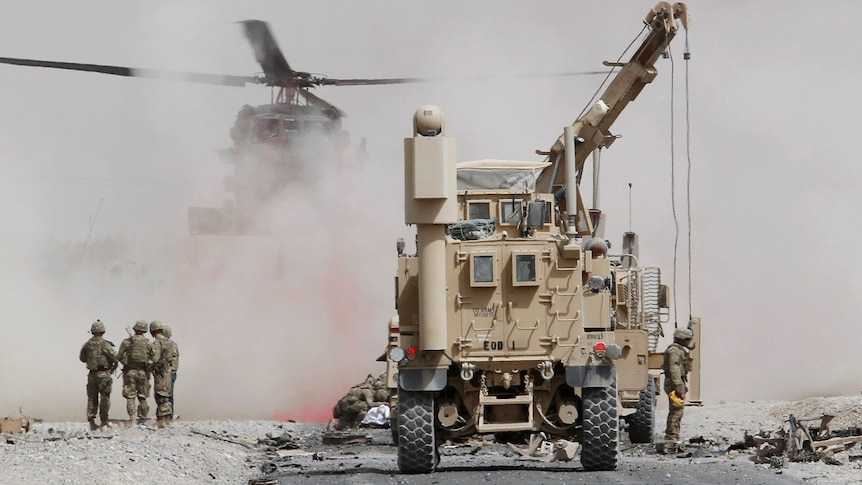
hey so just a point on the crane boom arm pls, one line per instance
(594, 126)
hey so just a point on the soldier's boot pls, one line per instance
(92, 421)
(103, 419)
(163, 422)
(133, 420)
(670, 445)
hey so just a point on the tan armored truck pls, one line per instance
(513, 316)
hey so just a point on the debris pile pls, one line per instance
(284, 439)
(15, 425)
(544, 448)
(801, 442)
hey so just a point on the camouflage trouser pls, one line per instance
(173, 381)
(162, 392)
(136, 390)
(99, 395)
(674, 418)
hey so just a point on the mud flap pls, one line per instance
(422, 379)
(590, 376)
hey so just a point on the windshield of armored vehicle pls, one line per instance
(499, 175)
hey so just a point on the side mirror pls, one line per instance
(664, 296)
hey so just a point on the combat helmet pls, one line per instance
(155, 326)
(166, 331)
(682, 334)
(140, 326)
(97, 327)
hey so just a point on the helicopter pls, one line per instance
(274, 144)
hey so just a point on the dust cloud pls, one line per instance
(98, 172)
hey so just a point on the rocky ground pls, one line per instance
(240, 452)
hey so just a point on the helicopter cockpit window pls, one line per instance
(510, 211)
(316, 125)
(267, 128)
(290, 125)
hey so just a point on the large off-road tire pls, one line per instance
(417, 439)
(601, 428)
(642, 421)
(393, 424)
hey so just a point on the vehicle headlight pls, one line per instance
(397, 355)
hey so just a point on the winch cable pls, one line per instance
(686, 58)
(686, 55)
(673, 188)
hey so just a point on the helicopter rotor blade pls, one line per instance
(369, 82)
(266, 52)
(197, 77)
(217, 79)
(324, 81)
(73, 66)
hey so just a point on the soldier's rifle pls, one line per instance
(123, 371)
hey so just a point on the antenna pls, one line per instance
(630, 207)
(90, 231)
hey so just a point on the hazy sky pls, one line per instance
(262, 322)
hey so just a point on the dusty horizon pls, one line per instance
(99, 170)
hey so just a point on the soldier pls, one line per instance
(101, 360)
(163, 352)
(352, 408)
(346, 410)
(175, 365)
(136, 354)
(677, 364)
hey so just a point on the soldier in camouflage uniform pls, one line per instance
(175, 365)
(676, 366)
(101, 360)
(136, 354)
(350, 409)
(163, 358)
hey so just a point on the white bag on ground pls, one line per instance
(378, 416)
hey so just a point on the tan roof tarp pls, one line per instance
(492, 174)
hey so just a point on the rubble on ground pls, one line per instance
(804, 439)
(219, 452)
(16, 425)
(544, 448)
(255, 451)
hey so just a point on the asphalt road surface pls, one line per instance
(375, 462)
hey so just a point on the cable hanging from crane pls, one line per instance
(673, 185)
(686, 58)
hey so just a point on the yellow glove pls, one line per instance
(675, 399)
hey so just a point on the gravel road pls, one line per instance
(241, 452)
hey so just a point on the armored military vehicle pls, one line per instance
(513, 316)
